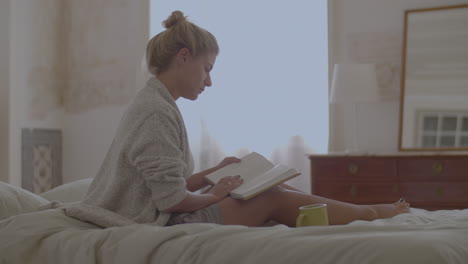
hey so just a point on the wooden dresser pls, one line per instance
(430, 182)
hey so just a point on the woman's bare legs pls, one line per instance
(282, 205)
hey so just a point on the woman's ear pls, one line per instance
(183, 55)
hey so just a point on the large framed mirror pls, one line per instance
(434, 80)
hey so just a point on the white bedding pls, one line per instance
(418, 237)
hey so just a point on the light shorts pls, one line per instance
(211, 214)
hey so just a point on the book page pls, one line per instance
(250, 166)
(256, 182)
(276, 175)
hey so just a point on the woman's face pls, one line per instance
(196, 75)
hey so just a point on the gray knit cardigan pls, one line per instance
(146, 167)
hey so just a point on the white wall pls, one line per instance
(106, 46)
(86, 139)
(73, 64)
(4, 86)
(35, 55)
(371, 31)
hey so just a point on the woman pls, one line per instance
(147, 176)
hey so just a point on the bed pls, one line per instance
(49, 236)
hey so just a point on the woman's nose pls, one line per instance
(208, 81)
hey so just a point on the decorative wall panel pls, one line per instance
(41, 159)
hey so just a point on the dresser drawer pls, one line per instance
(333, 169)
(360, 193)
(430, 182)
(435, 192)
(430, 169)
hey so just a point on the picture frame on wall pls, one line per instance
(41, 159)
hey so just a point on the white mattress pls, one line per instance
(418, 237)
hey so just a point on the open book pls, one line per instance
(258, 173)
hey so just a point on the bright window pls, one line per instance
(443, 129)
(270, 80)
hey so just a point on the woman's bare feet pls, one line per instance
(390, 210)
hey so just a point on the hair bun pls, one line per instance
(175, 18)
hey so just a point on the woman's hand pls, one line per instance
(225, 186)
(227, 161)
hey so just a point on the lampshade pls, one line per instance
(354, 83)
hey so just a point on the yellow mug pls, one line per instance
(312, 215)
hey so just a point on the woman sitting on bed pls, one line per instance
(146, 176)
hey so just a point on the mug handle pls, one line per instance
(299, 220)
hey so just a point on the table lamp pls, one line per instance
(354, 84)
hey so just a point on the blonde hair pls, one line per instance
(179, 33)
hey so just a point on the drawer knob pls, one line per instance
(353, 191)
(437, 167)
(353, 168)
(439, 191)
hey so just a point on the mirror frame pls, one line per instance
(402, 80)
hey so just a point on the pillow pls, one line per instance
(68, 192)
(14, 200)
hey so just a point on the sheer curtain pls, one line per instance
(270, 81)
